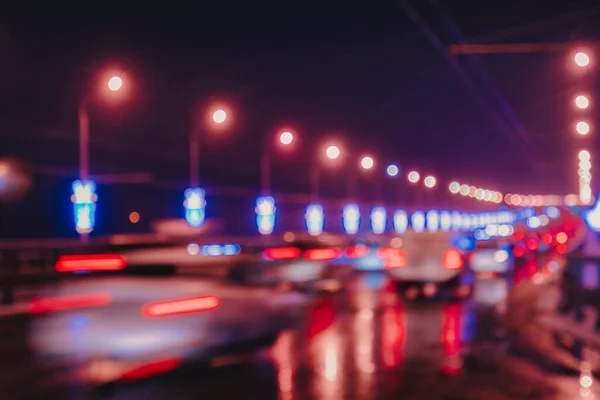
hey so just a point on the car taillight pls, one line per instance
(392, 257)
(322, 254)
(90, 262)
(356, 251)
(282, 253)
(180, 306)
(452, 259)
(69, 302)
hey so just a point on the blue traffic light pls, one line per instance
(195, 206)
(351, 218)
(315, 219)
(84, 206)
(378, 220)
(265, 215)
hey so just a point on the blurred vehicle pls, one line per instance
(120, 322)
(490, 261)
(369, 253)
(295, 265)
(431, 264)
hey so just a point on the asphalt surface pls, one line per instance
(362, 344)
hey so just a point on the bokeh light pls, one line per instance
(413, 177)
(583, 128)
(367, 162)
(392, 170)
(115, 83)
(332, 152)
(582, 101)
(286, 138)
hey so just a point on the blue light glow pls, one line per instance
(417, 221)
(195, 205)
(400, 221)
(265, 215)
(84, 206)
(351, 218)
(433, 220)
(553, 212)
(592, 217)
(533, 222)
(378, 220)
(217, 250)
(456, 221)
(463, 242)
(445, 221)
(465, 222)
(392, 170)
(315, 219)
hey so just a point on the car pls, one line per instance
(307, 265)
(121, 322)
(369, 253)
(431, 265)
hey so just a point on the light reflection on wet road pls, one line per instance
(366, 344)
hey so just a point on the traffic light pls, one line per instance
(351, 218)
(315, 219)
(84, 206)
(195, 205)
(265, 214)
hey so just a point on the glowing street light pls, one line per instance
(115, 83)
(392, 170)
(582, 101)
(584, 155)
(454, 187)
(430, 181)
(583, 128)
(332, 152)
(219, 116)
(367, 162)
(286, 138)
(581, 59)
(413, 177)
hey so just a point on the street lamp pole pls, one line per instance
(84, 141)
(265, 172)
(195, 158)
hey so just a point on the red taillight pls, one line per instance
(282, 253)
(181, 306)
(452, 259)
(322, 254)
(547, 239)
(91, 262)
(70, 302)
(532, 244)
(357, 251)
(151, 369)
(518, 251)
(392, 257)
(518, 236)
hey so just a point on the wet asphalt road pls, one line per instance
(362, 344)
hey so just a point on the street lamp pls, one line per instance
(392, 170)
(285, 139)
(430, 181)
(115, 83)
(367, 162)
(413, 177)
(219, 116)
(582, 102)
(84, 196)
(581, 59)
(195, 198)
(582, 128)
(332, 152)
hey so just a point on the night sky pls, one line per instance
(364, 73)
